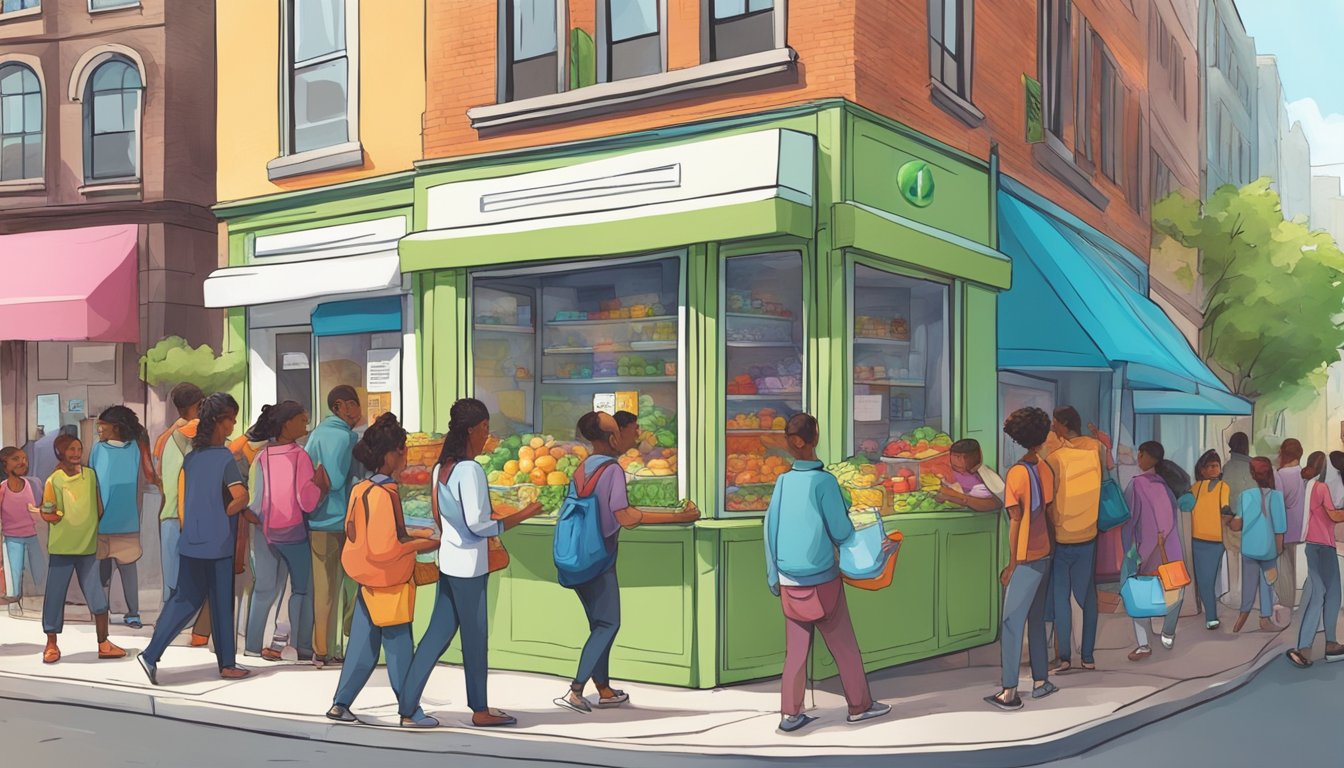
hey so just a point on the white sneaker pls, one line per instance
(1168, 641)
(16, 610)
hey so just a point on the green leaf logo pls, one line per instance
(915, 179)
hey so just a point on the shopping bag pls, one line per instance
(861, 554)
(882, 578)
(1144, 597)
(1112, 510)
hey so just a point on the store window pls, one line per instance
(899, 412)
(763, 359)
(549, 345)
(369, 362)
(632, 41)
(741, 27)
(293, 371)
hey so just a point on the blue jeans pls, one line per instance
(1024, 609)
(361, 654)
(601, 599)
(61, 569)
(269, 573)
(1322, 596)
(1208, 557)
(297, 558)
(1253, 571)
(1143, 626)
(197, 581)
(458, 602)
(21, 551)
(1074, 573)
(169, 532)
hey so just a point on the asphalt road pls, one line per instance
(1283, 714)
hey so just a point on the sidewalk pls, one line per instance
(937, 704)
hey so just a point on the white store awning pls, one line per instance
(296, 280)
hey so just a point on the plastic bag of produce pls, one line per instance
(861, 554)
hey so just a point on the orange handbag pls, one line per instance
(883, 579)
(1173, 574)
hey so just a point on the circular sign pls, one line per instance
(915, 179)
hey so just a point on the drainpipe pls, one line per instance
(994, 195)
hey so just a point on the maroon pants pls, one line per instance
(824, 608)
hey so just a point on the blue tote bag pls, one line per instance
(1113, 510)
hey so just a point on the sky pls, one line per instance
(1305, 36)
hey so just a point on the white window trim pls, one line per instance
(79, 82)
(602, 43)
(291, 163)
(90, 61)
(707, 26)
(126, 7)
(504, 56)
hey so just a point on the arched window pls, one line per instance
(20, 123)
(112, 121)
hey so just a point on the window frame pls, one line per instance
(1112, 119)
(23, 134)
(1055, 57)
(604, 43)
(780, 9)
(965, 58)
(288, 67)
(20, 13)
(126, 5)
(90, 114)
(1088, 44)
(504, 50)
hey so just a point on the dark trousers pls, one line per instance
(130, 584)
(457, 603)
(60, 570)
(362, 654)
(601, 599)
(1208, 561)
(197, 581)
(1074, 574)
(1024, 619)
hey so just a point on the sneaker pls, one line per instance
(574, 702)
(16, 610)
(1140, 653)
(791, 723)
(616, 699)
(341, 714)
(419, 721)
(234, 673)
(1212, 624)
(878, 709)
(1334, 652)
(1043, 690)
(1168, 641)
(151, 670)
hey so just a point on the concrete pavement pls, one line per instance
(938, 710)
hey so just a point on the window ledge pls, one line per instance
(26, 13)
(17, 186)
(347, 155)
(112, 187)
(1067, 171)
(605, 98)
(955, 105)
(115, 8)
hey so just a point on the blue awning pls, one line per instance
(1070, 307)
(375, 315)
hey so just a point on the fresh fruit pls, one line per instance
(511, 467)
(537, 477)
(557, 478)
(557, 453)
(527, 453)
(536, 443)
(545, 463)
(526, 465)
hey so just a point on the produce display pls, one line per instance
(922, 443)
(784, 377)
(745, 302)
(625, 367)
(896, 487)
(422, 453)
(766, 419)
(614, 310)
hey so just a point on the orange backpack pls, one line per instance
(374, 555)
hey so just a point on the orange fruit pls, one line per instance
(536, 443)
(511, 468)
(557, 453)
(557, 478)
(545, 462)
(537, 477)
(581, 452)
(526, 452)
(526, 465)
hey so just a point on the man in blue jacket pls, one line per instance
(806, 520)
(331, 447)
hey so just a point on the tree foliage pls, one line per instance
(1274, 289)
(173, 361)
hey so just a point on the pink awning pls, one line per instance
(70, 285)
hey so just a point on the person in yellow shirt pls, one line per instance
(1210, 501)
(1078, 463)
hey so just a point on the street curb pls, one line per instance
(468, 742)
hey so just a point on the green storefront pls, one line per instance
(719, 278)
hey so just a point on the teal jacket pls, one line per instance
(806, 520)
(332, 445)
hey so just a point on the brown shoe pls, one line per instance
(199, 641)
(492, 718)
(1241, 622)
(1268, 625)
(233, 673)
(1141, 653)
(270, 654)
(106, 650)
(51, 654)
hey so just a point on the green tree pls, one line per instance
(1273, 289)
(173, 361)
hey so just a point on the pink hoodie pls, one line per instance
(285, 492)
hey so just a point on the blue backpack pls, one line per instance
(581, 552)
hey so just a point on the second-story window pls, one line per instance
(1056, 63)
(107, 5)
(112, 121)
(739, 27)
(1112, 119)
(632, 40)
(318, 75)
(952, 44)
(10, 6)
(20, 123)
(533, 65)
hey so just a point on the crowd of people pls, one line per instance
(318, 515)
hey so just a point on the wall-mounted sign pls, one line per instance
(294, 361)
(76, 406)
(915, 180)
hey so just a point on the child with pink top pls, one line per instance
(285, 488)
(18, 527)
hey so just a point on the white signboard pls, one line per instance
(294, 361)
(867, 408)
(382, 372)
(605, 402)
